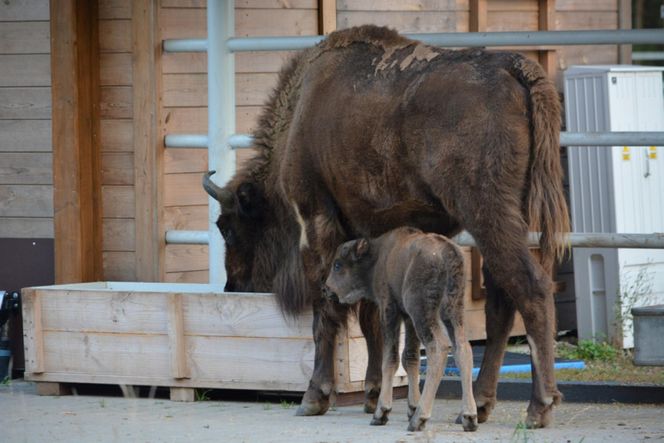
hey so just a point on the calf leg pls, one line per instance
(499, 310)
(327, 319)
(410, 359)
(463, 356)
(370, 325)
(390, 322)
(436, 344)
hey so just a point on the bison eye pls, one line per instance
(337, 266)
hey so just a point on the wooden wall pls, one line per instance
(26, 179)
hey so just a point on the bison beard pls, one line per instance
(369, 131)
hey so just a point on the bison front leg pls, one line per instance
(328, 317)
(370, 325)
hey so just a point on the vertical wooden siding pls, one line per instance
(26, 178)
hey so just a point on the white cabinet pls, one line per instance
(615, 189)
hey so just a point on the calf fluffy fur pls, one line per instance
(418, 278)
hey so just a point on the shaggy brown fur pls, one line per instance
(418, 278)
(369, 131)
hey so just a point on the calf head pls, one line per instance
(349, 278)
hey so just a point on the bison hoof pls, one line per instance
(313, 403)
(483, 410)
(540, 419)
(379, 421)
(371, 401)
(417, 424)
(411, 411)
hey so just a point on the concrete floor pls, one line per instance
(27, 417)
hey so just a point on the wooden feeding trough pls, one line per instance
(181, 336)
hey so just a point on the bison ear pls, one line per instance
(361, 249)
(251, 200)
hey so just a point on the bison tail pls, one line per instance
(546, 207)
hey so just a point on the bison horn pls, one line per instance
(223, 196)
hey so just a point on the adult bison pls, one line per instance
(368, 131)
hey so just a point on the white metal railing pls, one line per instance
(221, 140)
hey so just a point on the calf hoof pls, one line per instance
(371, 400)
(313, 403)
(417, 424)
(379, 421)
(411, 411)
(469, 422)
(541, 415)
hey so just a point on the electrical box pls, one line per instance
(618, 189)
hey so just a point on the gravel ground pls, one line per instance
(27, 417)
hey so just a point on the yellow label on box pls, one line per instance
(625, 153)
(652, 153)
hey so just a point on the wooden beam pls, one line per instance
(327, 16)
(76, 159)
(478, 15)
(547, 22)
(176, 338)
(625, 22)
(148, 149)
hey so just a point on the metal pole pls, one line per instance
(589, 240)
(221, 119)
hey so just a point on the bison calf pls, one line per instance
(419, 278)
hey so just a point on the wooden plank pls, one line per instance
(115, 69)
(116, 102)
(186, 258)
(407, 21)
(13, 227)
(115, 35)
(193, 218)
(25, 135)
(190, 90)
(187, 277)
(402, 5)
(357, 347)
(119, 266)
(118, 201)
(498, 21)
(116, 135)
(26, 201)
(240, 4)
(181, 160)
(183, 190)
(117, 168)
(512, 5)
(586, 20)
(25, 103)
(25, 38)
(584, 5)
(478, 15)
(327, 16)
(115, 9)
(24, 10)
(75, 77)
(625, 22)
(25, 70)
(119, 234)
(26, 168)
(148, 148)
(176, 338)
(245, 62)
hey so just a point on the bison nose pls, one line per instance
(330, 294)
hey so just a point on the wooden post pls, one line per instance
(478, 15)
(148, 149)
(547, 22)
(625, 22)
(327, 16)
(76, 157)
(179, 367)
(33, 334)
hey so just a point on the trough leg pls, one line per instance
(327, 319)
(52, 389)
(499, 310)
(183, 394)
(370, 325)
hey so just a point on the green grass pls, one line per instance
(202, 395)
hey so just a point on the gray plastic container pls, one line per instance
(649, 335)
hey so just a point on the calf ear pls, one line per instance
(361, 248)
